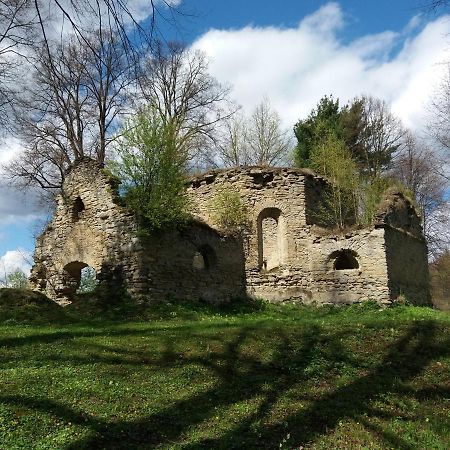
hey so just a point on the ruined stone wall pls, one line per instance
(407, 266)
(194, 263)
(282, 254)
(288, 257)
(313, 277)
(406, 249)
(91, 228)
(368, 281)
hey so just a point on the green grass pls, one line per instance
(245, 376)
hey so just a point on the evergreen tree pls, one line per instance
(322, 121)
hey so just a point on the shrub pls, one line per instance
(16, 279)
(228, 210)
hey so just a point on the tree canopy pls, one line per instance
(365, 125)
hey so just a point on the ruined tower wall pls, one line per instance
(89, 227)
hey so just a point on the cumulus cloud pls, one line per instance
(13, 260)
(296, 66)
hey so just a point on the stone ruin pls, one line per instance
(284, 254)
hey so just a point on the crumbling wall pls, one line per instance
(91, 228)
(193, 263)
(364, 278)
(406, 250)
(283, 254)
(407, 267)
(289, 256)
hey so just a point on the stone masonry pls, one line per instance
(284, 253)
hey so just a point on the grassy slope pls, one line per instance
(354, 377)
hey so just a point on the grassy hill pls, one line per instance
(247, 376)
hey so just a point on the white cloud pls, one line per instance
(10, 148)
(15, 205)
(18, 206)
(15, 259)
(295, 67)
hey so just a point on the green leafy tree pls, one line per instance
(365, 125)
(152, 172)
(339, 205)
(17, 279)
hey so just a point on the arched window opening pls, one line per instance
(77, 210)
(82, 278)
(204, 258)
(198, 262)
(271, 245)
(345, 260)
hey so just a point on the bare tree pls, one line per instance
(71, 107)
(232, 149)
(255, 140)
(439, 108)
(123, 18)
(416, 167)
(16, 33)
(25, 23)
(376, 134)
(268, 144)
(191, 102)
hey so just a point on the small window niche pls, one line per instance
(77, 209)
(345, 260)
(204, 258)
(198, 262)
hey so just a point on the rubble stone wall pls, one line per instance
(91, 228)
(288, 257)
(283, 253)
(406, 257)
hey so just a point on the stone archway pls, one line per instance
(80, 277)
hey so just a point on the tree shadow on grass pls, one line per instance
(242, 376)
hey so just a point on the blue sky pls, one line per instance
(292, 52)
(364, 16)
